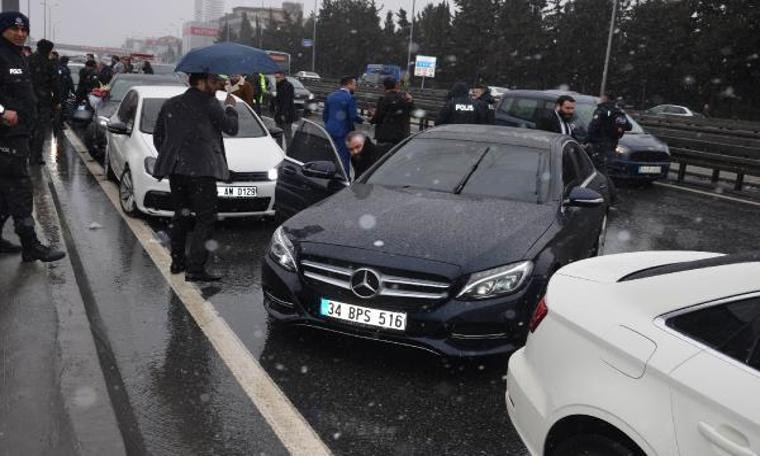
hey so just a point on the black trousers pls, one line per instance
(41, 132)
(16, 190)
(194, 200)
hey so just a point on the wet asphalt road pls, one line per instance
(173, 394)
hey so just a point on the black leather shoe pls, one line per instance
(7, 246)
(176, 268)
(201, 277)
(41, 252)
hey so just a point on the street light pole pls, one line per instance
(44, 13)
(314, 40)
(411, 34)
(603, 88)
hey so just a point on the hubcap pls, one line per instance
(126, 192)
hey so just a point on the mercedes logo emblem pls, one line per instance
(365, 283)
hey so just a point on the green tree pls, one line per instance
(246, 31)
(474, 36)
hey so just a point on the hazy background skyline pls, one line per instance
(110, 22)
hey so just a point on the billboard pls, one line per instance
(424, 66)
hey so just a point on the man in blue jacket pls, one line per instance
(339, 117)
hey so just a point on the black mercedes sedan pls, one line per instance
(445, 244)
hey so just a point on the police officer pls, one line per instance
(18, 113)
(607, 126)
(461, 108)
(44, 73)
(483, 93)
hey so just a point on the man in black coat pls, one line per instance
(364, 153)
(461, 108)
(18, 111)
(188, 138)
(608, 124)
(44, 74)
(560, 118)
(483, 93)
(284, 105)
(392, 114)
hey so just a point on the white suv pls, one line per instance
(654, 353)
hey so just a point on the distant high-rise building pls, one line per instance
(208, 10)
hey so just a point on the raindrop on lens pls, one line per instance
(212, 245)
(367, 221)
(379, 243)
(85, 397)
(624, 236)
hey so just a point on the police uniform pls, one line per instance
(461, 109)
(16, 191)
(44, 77)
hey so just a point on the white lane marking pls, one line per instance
(286, 421)
(704, 192)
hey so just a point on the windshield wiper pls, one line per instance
(458, 189)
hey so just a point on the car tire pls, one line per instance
(601, 238)
(127, 194)
(593, 445)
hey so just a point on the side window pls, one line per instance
(570, 177)
(311, 143)
(732, 329)
(523, 108)
(585, 165)
(128, 109)
(674, 110)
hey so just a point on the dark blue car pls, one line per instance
(639, 155)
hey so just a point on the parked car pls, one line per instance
(252, 155)
(95, 135)
(672, 110)
(639, 155)
(446, 244)
(307, 76)
(498, 92)
(647, 353)
(303, 96)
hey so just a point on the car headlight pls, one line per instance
(103, 121)
(150, 163)
(622, 150)
(272, 174)
(311, 96)
(282, 251)
(496, 282)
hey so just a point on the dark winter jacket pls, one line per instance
(284, 104)
(462, 109)
(554, 122)
(188, 136)
(391, 118)
(88, 80)
(16, 91)
(490, 103)
(608, 125)
(66, 83)
(44, 73)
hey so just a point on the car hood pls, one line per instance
(643, 141)
(473, 233)
(252, 154)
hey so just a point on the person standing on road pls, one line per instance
(147, 68)
(560, 120)
(260, 91)
(88, 80)
(18, 111)
(608, 124)
(461, 109)
(483, 93)
(339, 116)
(392, 115)
(284, 105)
(44, 75)
(188, 138)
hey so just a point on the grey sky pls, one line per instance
(109, 22)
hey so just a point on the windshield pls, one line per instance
(467, 168)
(248, 126)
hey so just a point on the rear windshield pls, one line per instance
(468, 168)
(248, 126)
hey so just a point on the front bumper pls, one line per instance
(627, 169)
(449, 327)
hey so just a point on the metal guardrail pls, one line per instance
(717, 144)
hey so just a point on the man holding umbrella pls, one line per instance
(188, 138)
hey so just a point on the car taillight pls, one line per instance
(538, 314)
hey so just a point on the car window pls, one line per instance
(522, 108)
(503, 171)
(585, 166)
(732, 329)
(296, 83)
(128, 109)
(674, 110)
(311, 143)
(248, 126)
(570, 175)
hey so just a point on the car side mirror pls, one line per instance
(118, 128)
(584, 197)
(320, 169)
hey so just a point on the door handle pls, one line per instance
(724, 442)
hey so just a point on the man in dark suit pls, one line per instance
(364, 153)
(284, 105)
(340, 115)
(560, 119)
(188, 138)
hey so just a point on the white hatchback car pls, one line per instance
(654, 353)
(252, 156)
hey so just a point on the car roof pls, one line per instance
(552, 95)
(147, 77)
(492, 134)
(159, 91)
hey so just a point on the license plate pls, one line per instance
(363, 315)
(236, 192)
(650, 169)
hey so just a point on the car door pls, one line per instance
(118, 144)
(716, 393)
(298, 185)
